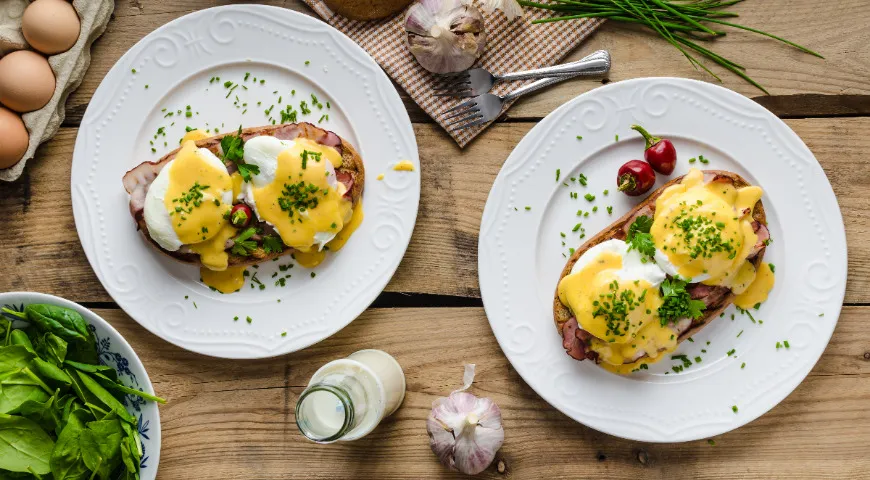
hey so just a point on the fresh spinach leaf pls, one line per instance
(17, 388)
(18, 337)
(51, 347)
(24, 446)
(105, 398)
(101, 446)
(14, 358)
(46, 414)
(109, 384)
(63, 322)
(131, 450)
(82, 392)
(51, 374)
(66, 459)
(105, 370)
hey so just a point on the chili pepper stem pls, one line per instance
(650, 140)
(626, 182)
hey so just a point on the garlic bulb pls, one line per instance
(511, 8)
(445, 35)
(465, 432)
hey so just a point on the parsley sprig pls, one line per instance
(639, 238)
(272, 244)
(243, 245)
(234, 150)
(677, 303)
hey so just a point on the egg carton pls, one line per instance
(69, 68)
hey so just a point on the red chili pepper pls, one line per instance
(635, 178)
(241, 215)
(660, 153)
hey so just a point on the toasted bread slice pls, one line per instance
(618, 229)
(351, 173)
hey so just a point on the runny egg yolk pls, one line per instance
(622, 315)
(706, 229)
(300, 202)
(193, 197)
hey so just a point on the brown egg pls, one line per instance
(14, 139)
(26, 81)
(50, 26)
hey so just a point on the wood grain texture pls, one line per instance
(840, 34)
(230, 419)
(40, 241)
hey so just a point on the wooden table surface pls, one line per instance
(234, 419)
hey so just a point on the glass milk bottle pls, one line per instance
(347, 398)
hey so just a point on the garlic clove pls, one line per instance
(476, 450)
(465, 431)
(445, 35)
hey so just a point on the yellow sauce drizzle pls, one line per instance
(759, 289)
(212, 252)
(238, 181)
(227, 281)
(195, 135)
(202, 220)
(309, 259)
(381, 176)
(313, 258)
(404, 166)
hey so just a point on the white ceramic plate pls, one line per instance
(115, 352)
(521, 256)
(173, 68)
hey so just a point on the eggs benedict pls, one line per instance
(235, 200)
(632, 293)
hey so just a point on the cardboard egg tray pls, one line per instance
(69, 68)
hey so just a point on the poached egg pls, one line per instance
(296, 190)
(703, 232)
(187, 204)
(614, 294)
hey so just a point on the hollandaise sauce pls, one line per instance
(300, 202)
(621, 314)
(226, 281)
(194, 197)
(313, 257)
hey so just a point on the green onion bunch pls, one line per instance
(683, 23)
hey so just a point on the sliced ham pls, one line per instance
(576, 340)
(347, 179)
(711, 295)
(763, 236)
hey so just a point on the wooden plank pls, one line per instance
(839, 34)
(40, 241)
(228, 418)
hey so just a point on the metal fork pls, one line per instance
(485, 108)
(478, 81)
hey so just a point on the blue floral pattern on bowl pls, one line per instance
(114, 352)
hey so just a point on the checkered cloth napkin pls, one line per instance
(511, 46)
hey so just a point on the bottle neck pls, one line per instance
(325, 412)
